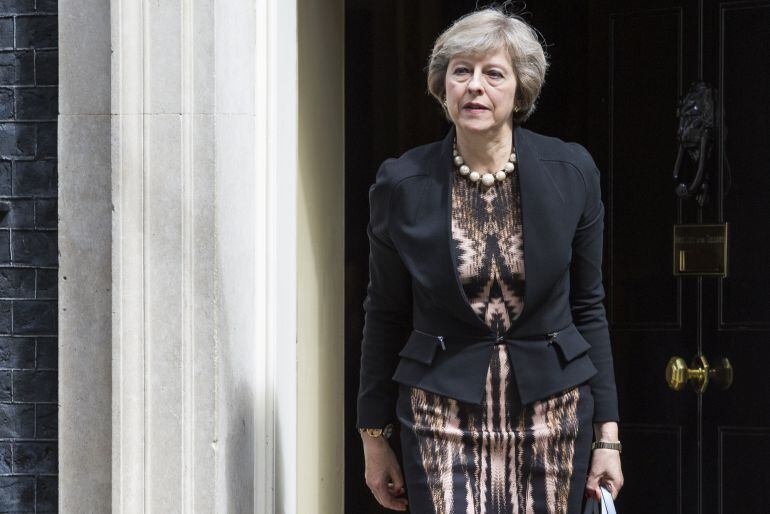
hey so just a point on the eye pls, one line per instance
(496, 74)
(461, 69)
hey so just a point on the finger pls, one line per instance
(376, 497)
(382, 497)
(395, 491)
(396, 497)
(614, 490)
(399, 503)
(386, 500)
(592, 489)
(379, 492)
(394, 503)
(397, 480)
(397, 477)
(589, 492)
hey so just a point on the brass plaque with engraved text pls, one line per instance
(700, 249)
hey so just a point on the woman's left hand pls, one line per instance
(605, 468)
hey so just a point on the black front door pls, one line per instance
(685, 452)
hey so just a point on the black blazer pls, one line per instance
(420, 329)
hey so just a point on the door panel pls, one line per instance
(744, 78)
(645, 80)
(736, 422)
(652, 468)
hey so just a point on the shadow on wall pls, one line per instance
(239, 463)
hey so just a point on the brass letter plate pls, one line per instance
(700, 249)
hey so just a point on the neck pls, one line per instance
(484, 151)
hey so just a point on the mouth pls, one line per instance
(475, 107)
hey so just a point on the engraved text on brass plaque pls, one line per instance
(700, 249)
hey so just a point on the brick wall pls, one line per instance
(28, 256)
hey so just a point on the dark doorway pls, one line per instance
(617, 71)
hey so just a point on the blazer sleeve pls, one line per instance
(587, 292)
(388, 311)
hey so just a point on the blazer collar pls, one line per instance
(540, 200)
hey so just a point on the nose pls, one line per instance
(475, 84)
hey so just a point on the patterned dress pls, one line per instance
(500, 457)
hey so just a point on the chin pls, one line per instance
(475, 127)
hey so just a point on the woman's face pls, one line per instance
(487, 82)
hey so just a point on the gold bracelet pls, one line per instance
(610, 446)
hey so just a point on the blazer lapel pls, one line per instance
(539, 201)
(542, 224)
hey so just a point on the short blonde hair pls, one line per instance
(487, 30)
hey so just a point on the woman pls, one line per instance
(495, 381)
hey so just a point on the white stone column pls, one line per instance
(165, 315)
(178, 204)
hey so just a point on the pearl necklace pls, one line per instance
(487, 178)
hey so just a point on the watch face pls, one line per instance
(385, 432)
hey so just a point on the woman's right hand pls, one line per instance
(383, 474)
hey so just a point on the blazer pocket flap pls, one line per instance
(420, 347)
(572, 343)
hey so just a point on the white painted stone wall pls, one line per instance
(85, 275)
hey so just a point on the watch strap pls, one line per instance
(610, 446)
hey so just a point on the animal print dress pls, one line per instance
(498, 457)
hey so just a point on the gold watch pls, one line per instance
(385, 431)
(610, 446)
